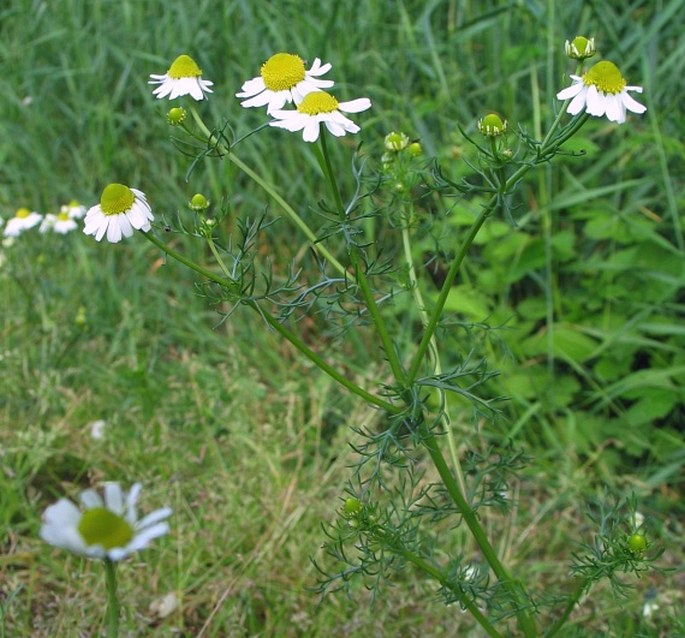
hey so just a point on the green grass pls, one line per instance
(228, 426)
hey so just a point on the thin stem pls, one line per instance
(441, 577)
(272, 192)
(433, 353)
(525, 621)
(572, 602)
(113, 607)
(359, 273)
(280, 328)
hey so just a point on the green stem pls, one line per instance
(572, 602)
(280, 328)
(113, 607)
(359, 273)
(273, 193)
(525, 621)
(433, 353)
(442, 578)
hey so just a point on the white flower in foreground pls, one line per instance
(120, 211)
(602, 91)
(60, 223)
(283, 79)
(23, 220)
(103, 529)
(183, 77)
(319, 108)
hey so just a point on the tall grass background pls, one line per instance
(243, 439)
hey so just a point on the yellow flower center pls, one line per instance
(282, 71)
(63, 217)
(22, 213)
(184, 67)
(606, 77)
(116, 199)
(100, 526)
(317, 102)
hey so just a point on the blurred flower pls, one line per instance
(23, 219)
(108, 529)
(73, 209)
(120, 211)
(580, 48)
(61, 223)
(183, 77)
(283, 79)
(318, 108)
(602, 91)
(97, 429)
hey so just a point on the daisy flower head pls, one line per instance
(184, 77)
(318, 108)
(106, 528)
(61, 223)
(602, 90)
(73, 209)
(283, 79)
(121, 211)
(23, 220)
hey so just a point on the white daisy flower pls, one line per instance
(183, 77)
(73, 209)
(102, 529)
(23, 219)
(60, 223)
(318, 108)
(120, 211)
(602, 91)
(283, 79)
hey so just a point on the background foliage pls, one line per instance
(579, 306)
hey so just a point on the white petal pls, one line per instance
(631, 104)
(614, 109)
(153, 518)
(142, 539)
(91, 499)
(114, 228)
(596, 103)
(259, 100)
(131, 501)
(577, 103)
(570, 91)
(114, 497)
(355, 106)
(311, 130)
(252, 87)
(319, 69)
(335, 129)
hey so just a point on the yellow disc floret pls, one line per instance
(606, 77)
(282, 71)
(22, 213)
(100, 526)
(116, 199)
(184, 67)
(317, 102)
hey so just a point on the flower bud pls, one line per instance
(492, 125)
(352, 507)
(396, 142)
(198, 203)
(580, 48)
(176, 116)
(415, 149)
(637, 544)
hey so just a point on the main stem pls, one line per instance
(113, 606)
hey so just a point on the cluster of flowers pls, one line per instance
(61, 223)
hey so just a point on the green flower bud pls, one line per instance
(198, 203)
(637, 543)
(415, 149)
(492, 125)
(580, 48)
(176, 116)
(353, 507)
(396, 142)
